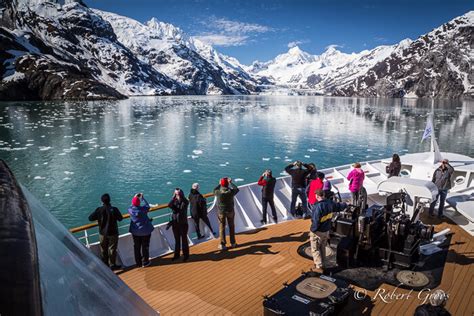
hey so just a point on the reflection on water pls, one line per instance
(68, 154)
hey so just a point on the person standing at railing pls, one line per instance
(442, 180)
(315, 184)
(107, 217)
(267, 181)
(298, 185)
(198, 206)
(356, 180)
(141, 229)
(179, 223)
(225, 193)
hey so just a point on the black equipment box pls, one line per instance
(289, 301)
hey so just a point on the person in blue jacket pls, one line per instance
(140, 228)
(323, 211)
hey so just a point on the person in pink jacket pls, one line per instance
(356, 180)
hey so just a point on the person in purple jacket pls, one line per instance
(356, 180)
(140, 228)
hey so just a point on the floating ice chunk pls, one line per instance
(265, 159)
(312, 150)
(277, 158)
(244, 134)
(44, 148)
(86, 155)
(197, 151)
(225, 148)
(113, 147)
(226, 144)
(351, 155)
(61, 154)
(307, 156)
(100, 157)
(66, 178)
(238, 180)
(68, 172)
(169, 182)
(39, 178)
(28, 145)
(368, 149)
(46, 194)
(194, 157)
(186, 171)
(223, 165)
(287, 159)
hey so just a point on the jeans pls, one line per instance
(229, 217)
(442, 197)
(180, 232)
(108, 249)
(301, 192)
(266, 201)
(141, 248)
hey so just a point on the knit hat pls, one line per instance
(224, 182)
(195, 186)
(136, 201)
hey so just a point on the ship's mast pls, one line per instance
(435, 154)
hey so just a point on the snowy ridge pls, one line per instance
(438, 64)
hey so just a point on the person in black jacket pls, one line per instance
(198, 206)
(442, 180)
(393, 169)
(179, 223)
(267, 181)
(107, 216)
(298, 184)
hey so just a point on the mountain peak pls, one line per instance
(295, 50)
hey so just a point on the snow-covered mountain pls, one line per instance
(61, 49)
(438, 64)
(195, 65)
(64, 50)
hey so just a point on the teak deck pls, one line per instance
(233, 282)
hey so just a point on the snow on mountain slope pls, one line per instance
(197, 66)
(438, 64)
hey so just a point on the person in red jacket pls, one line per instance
(316, 184)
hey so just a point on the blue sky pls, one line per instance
(261, 29)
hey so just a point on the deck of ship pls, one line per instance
(233, 282)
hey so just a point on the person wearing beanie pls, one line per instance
(198, 205)
(225, 193)
(141, 229)
(179, 223)
(107, 217)
(267, 181)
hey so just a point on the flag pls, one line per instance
(428, 129)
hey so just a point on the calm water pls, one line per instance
(68, 154)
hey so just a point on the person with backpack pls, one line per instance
(267, 182)
(225, 193)
(141, 229)
(179, 223)
(198, 206)
(107, 217)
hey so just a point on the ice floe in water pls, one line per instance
(66, 178)
(223, 165)
(39, 178)
(312, 150)
(113, 147)
(197, 151)
(225, 148)
(238, 180)
(307, 156)
(47, 194)
(169, 182)
(265, 159)
(226, 144)
(68, 172)
(186, 171)
(99, 157)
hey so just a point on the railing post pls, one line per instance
(87, 238)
